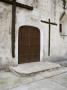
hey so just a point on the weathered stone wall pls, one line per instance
(43, 10)
(58, 42)
(5, 34)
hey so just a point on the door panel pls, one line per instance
(28, 44)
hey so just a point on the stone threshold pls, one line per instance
(33, 68)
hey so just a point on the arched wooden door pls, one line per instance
(28, 44)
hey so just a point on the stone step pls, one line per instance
(34, 67)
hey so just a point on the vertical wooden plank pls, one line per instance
(49, 39)
(60, 28)
(13, 27)
(29, 44)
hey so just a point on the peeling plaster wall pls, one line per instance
(58, 42)
(48, 10)
(5, 35)
(5, 29)
(43, 10)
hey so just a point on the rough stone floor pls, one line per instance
(9, 81)
(54, 79)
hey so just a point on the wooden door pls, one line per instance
(28, 44)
